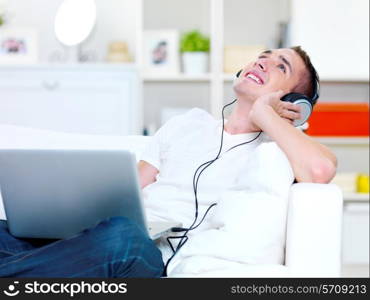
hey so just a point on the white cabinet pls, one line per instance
(355, 242)
(353, 156)
(92, 99)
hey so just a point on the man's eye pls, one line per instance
(282, 67)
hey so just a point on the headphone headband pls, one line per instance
(316, 91)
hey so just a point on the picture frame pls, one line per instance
(161, 52)
(18, 46)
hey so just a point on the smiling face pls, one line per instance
(273, 70)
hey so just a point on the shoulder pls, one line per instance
(269, 149)
(271, 157)
(193, 114)
(269, 154)
(198, 114)
(193, 117)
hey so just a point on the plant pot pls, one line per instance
(195, 62)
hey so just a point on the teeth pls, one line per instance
(254, 78)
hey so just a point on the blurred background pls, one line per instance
(119, 67)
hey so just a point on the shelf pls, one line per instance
(70, 66)
(177, 78)
(342, 140)
(356, 197)
(183, 77)
(231, 77)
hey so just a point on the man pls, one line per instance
(259, 171)
(259, 107)
(117, 248)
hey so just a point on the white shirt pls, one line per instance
(183, 144)
(177, 150)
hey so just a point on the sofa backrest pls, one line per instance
(15, 137)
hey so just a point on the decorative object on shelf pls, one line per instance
(340, 119)
(149, 130)
(87, 56)
(282, 40)
(237, 56)
(352, 182)
(18, 46)
(58, 56)
(161, 52)
(74, 22)
(195, 48)
(346, 181)
(118, 52)
(2, 12)
(362, 183)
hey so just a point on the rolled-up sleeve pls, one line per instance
(161, 141)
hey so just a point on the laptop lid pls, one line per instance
(58, 193)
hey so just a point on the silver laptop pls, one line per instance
(58, 193)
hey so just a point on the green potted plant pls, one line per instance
(2, 12)
(194, 47)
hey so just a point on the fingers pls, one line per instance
(291, 106)
(288, 120)
(290, 111)
(291, 115)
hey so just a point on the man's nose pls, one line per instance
(261, 65)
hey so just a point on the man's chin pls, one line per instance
(246, 95)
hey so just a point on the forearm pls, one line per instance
(147, 173)
(311, 161)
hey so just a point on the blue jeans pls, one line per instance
(116, 247)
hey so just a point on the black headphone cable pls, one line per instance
(184, 238)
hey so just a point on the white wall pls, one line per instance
(180, 14)
(115, 21)
(254, 22)
(336, 34)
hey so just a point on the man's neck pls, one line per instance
(239, 120)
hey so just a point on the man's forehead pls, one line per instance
(282, 51)
(291, 55)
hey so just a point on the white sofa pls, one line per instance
(314, 218)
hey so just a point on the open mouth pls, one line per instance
(254, 77)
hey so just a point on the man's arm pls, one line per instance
(147, 173)
(311, 161)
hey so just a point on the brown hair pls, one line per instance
(308, 82)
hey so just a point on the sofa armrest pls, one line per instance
(314, 230)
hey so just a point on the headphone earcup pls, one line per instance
(238, 74)
(305, 104)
